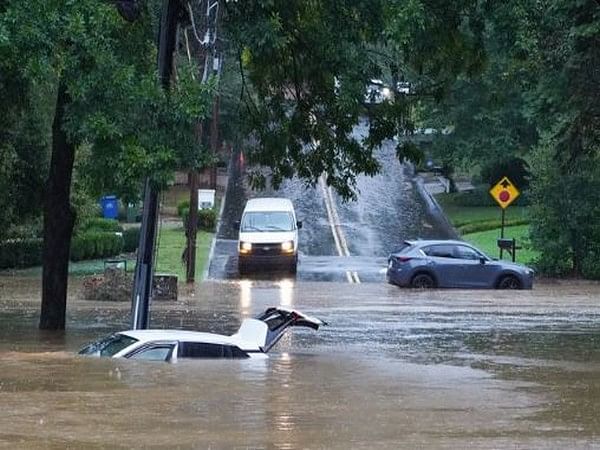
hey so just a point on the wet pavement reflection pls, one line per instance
(394, 369)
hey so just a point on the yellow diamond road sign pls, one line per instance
(504, 192)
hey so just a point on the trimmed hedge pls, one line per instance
(131, 239)
(485, 225)
(98, 224)
(94, 245)
(19, 253)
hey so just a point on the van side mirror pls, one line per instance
(482, 260)
(299, 224)
(237, 223)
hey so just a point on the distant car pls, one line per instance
(453, 264)
(254, 339)
(377, 92)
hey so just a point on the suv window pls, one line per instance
(440, 251)
(464, 252)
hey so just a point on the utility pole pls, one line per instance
(144, 270)
(205, 32)
(214, 141)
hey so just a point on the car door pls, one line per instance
(443, 264)
(472, 273)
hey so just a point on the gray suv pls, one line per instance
(429, 264)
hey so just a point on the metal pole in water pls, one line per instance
(144, 271)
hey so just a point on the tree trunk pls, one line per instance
(59, 218)
(191, 227)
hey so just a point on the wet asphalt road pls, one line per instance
(441, 369)
(387, 211)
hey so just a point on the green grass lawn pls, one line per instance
(487, 242)
(463, 217)
(171, 242)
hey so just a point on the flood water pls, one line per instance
(394, 369)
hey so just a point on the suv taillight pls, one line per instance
(400, 259)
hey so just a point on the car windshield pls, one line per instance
(108, 346)
(267, 221)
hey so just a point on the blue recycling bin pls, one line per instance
(110, 206)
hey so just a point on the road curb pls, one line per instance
(213, 243)
(434, 208)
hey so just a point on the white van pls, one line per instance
(268, 235)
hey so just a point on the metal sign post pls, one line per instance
(504, 192)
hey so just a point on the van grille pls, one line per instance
(266, 249)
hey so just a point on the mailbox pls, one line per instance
(506, 244)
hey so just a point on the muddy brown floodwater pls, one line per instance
(394, 369)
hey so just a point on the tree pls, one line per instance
(305, 66)
(107, 97)
(538, 100)
(567, 103)
(487, 111)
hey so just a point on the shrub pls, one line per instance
(82, 247)
(93, 245)
(100, 224)
(131, 239)
(183, 208)
(207, 219)
(590, 264)
(19, 253)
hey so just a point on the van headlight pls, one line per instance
(287, 247)
(245, 247)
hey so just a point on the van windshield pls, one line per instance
(267, 221)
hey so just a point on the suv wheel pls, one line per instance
(509, 282)
(423, 281)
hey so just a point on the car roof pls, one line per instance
(179, 335)
(269, 204)
(424, 243)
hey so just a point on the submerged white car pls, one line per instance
(253, 340)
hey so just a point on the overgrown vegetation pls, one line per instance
(537, 101)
